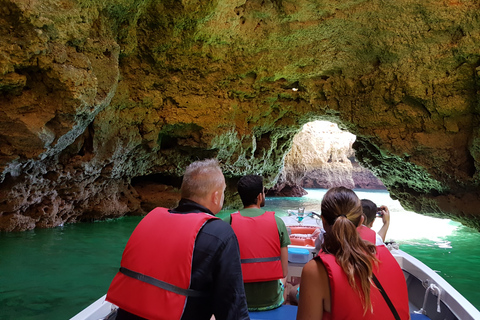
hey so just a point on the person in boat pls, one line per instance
(260, 234)
(183, 263)
(371, 211)
(348, 277)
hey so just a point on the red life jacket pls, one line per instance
(156, 265)
(259, 244)
(367, 234)
(390, 276)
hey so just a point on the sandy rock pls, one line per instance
(96, 94)
(322, 157)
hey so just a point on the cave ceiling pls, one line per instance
(95, 95)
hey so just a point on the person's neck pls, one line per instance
(252, 206)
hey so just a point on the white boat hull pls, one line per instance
(419, 277)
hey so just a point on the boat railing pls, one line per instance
(436, 291)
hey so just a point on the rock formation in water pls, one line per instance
(322, 157)
(105, 102)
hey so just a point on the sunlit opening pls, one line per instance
(325, 154)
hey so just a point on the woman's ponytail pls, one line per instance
(354, 255)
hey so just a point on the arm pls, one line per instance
(284, 259)
(314, 292)
(319, 238)
(229, 300)
(386, 222)
(284, 242)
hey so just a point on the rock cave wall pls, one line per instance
(101, 100)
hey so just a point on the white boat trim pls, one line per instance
(96, 311)
(457, 303)
(460, 307)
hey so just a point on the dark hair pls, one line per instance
(342, 210)
(369, 210)
(249, 187)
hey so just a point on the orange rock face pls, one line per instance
(97, 100)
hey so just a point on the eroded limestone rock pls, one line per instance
(94, 94)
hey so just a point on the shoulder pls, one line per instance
(315, 275)
(314, 269)
(315, 288)
(283, 232)
(315, 280)
(228, 218)
(281, 225)
(218, 228)
(216, 237)
(384, 255)
(280, 222)
(251, 212)
(218, 224)
(378, 240)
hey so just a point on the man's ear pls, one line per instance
(259, 198)
(362, 218)
(216, 197)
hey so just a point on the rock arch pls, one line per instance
(96, 94)
(322, 156)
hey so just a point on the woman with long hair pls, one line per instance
(350, 278)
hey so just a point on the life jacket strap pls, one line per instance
(162, 284)
(254, 260)
(385, 296)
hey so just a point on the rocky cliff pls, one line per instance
(322, 157)
(103, 102)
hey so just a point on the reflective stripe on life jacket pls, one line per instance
(389, 274)
(156, 267)
(259, 244)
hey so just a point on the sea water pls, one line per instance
(55, 273)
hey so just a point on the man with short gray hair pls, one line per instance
(183, 263)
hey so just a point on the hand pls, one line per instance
(385, 215)
(315, 233)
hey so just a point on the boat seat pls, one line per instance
(285, 312)
(417, 316)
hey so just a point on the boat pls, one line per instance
(430, 296)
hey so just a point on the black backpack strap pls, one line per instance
(385, 296)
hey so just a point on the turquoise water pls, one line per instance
(55, 273)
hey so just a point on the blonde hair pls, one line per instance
(200, 178)
(342, 210)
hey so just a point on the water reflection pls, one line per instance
(55, 273)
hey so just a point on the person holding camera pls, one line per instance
(371, 211)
